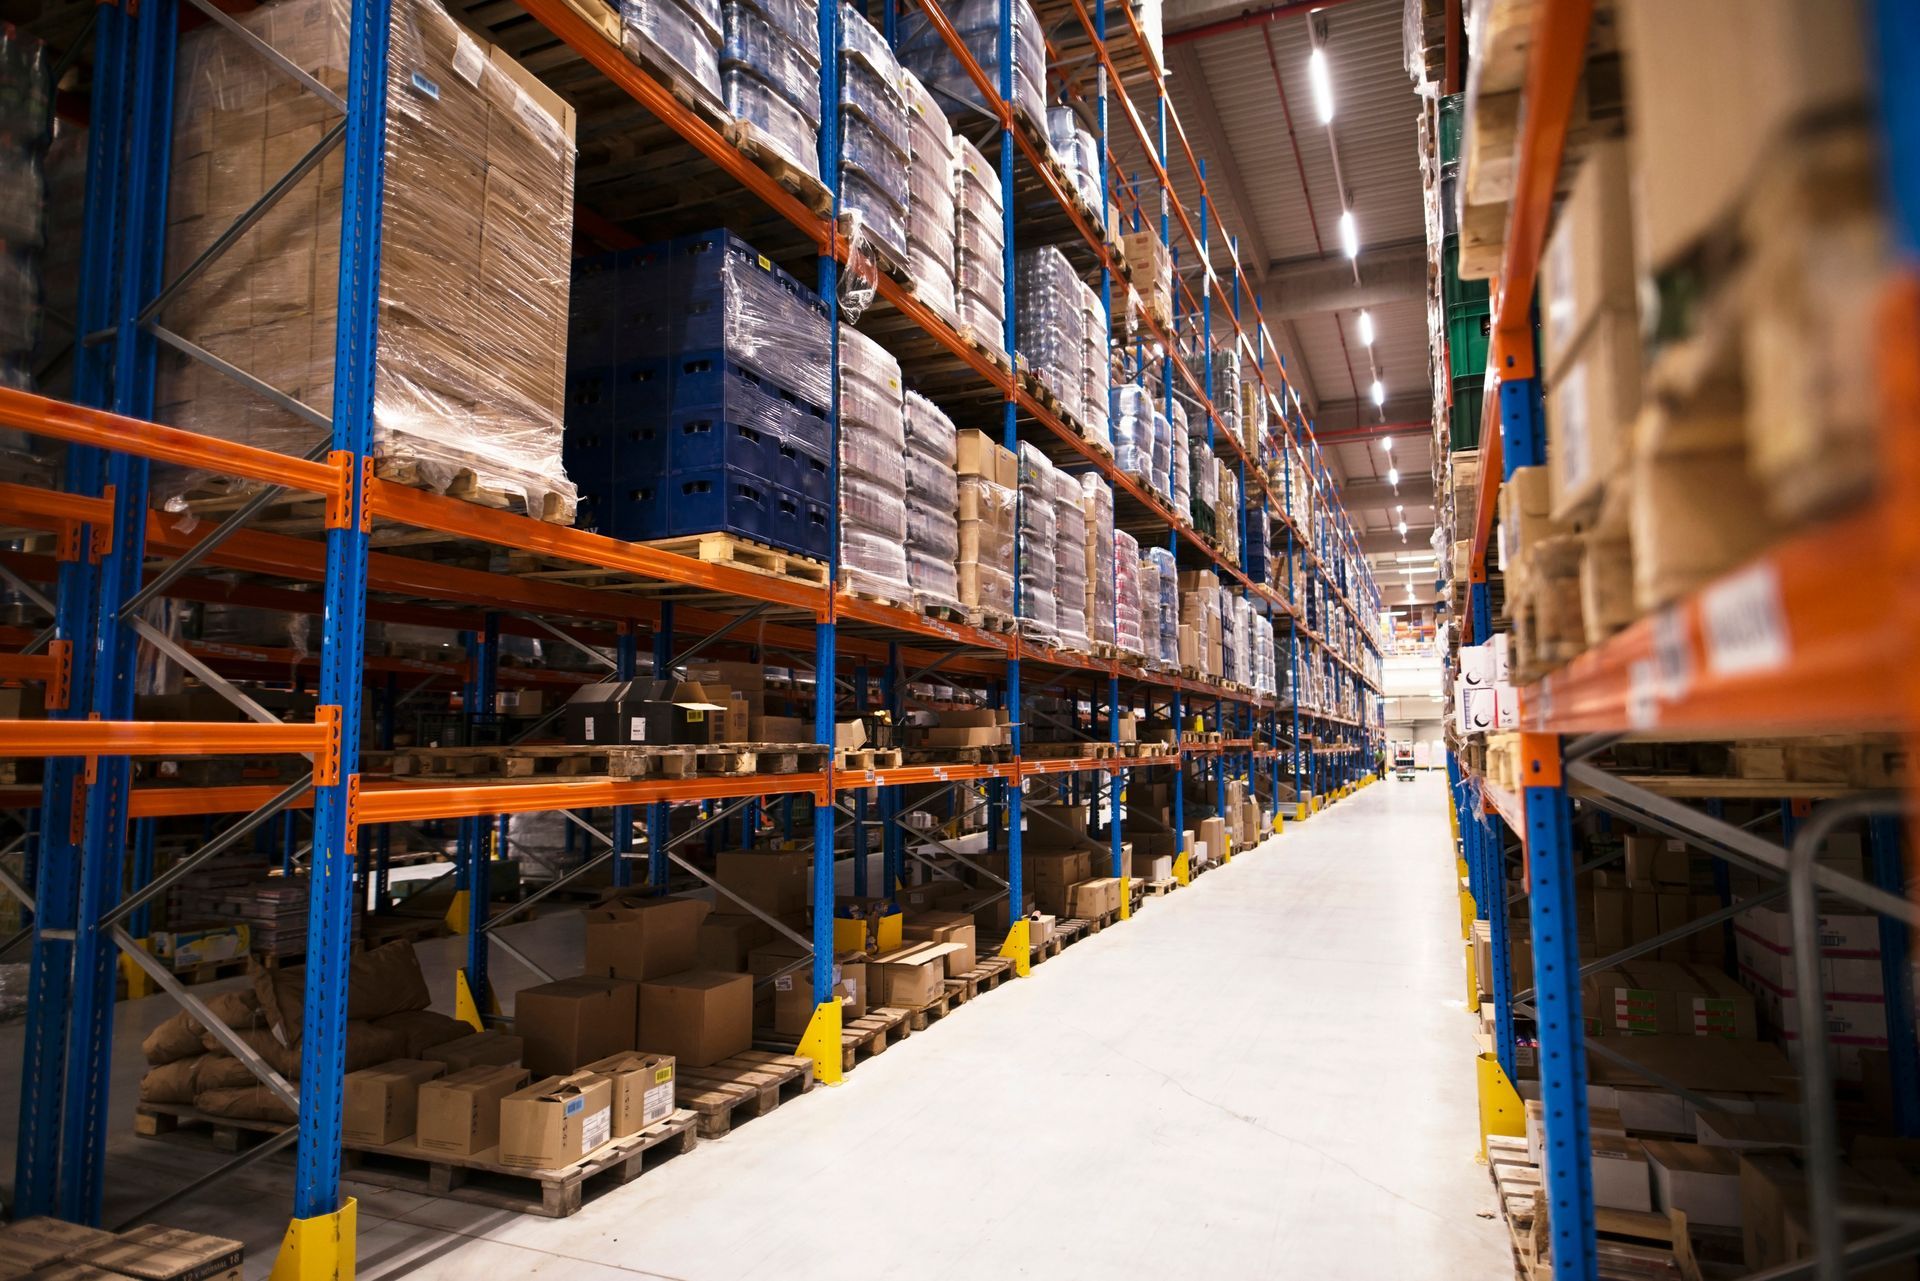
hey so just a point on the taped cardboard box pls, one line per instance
(556, 1121)
(460, 1113)
(642, 1089)
(381, 1104)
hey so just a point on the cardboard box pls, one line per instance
(699, 1017)
(491, 1048)
(911, 976)
(642, 938)
(573, 1021)
(1701, 1182)
(725, 941)
(460, 1112)
(1591, 404)
(642, 1089)
(1588, 265)
(155, 1253)
(556, 1121)
(380, 1104)
(775, 881)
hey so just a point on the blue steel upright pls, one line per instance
(330, 903)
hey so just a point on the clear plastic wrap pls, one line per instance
(665, 30)
(755, 45)
(1096, 505)
(780, 125)
(1127, 634)
(924, 52)
(476, 233)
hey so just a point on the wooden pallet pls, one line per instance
(867, 759)
(483, 1180)
(747, 1085)
(741, 553)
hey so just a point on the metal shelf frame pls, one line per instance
(107, 536)
(1673, 673)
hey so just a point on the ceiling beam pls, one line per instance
(1210, 138)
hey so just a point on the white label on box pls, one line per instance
(595, 1130)
(1746, 629)
(468, 59)
(656, 1102)
(636, 729)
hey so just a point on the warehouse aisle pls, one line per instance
(1267, 1074)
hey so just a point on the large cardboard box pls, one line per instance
(573, 1021)
(641, 938)
(642, 1089)
(699, 1017)
(491, 1048)
(1588, 265)
(460, 1112)
(556, 1121)
(1592, 400)
(775, 881)
(380, 1104)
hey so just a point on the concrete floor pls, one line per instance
(1268, 1074)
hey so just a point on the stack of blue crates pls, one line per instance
(698, 375)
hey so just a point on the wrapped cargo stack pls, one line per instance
(770, 76)
(696, 391)
(979, 254)
(873, 471)
(930, 208)
(476, 239)
(1096, 504)
(933, 501)
(988, 480)
(1038, 527)
(1129, 613)
(680, 39)
(1070, 581)
(873, 140)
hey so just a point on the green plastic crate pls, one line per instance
(1453, 116)
(1463, 426)
(1469, 335)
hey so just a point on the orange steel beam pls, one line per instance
(158, 738)
(79, 425)
(1788, 643)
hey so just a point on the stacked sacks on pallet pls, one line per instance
(873, 471)
(1038, 527)
(873, 139)
(1167, 650)
(387, 1018)
(977, 22)
(930, 208)
(679, 37)
(1069, 561)
(979, 248)
(770, 75)
(1096, 505)
(933, 501)
(1129, 613)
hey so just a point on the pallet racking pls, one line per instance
(112, 554)
(1826, 650)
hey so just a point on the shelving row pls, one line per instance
(1692, 511)
(339, 536)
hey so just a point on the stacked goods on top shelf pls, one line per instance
(933, 501)
(697, 383)
(1096, 502)
(1038, 525)
(979, 240)
(1070, 565)
(770, 75)
(873, 471)
(476, 229)
(930, 209)
(873, 139)
(26, 96)
(989, 476)
(924, 51)
(680, 39)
